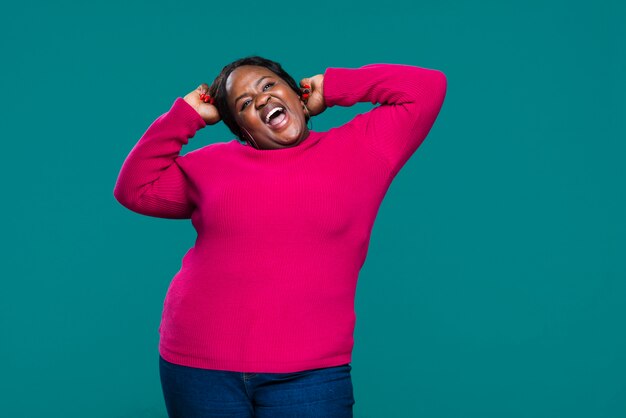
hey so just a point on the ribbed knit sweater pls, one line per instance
(282, 234)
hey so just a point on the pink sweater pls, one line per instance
(270, 283)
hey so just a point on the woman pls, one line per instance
(259, 320)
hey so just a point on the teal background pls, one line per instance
(495, 283)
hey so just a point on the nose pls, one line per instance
(261, 99)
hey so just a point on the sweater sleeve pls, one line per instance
(410, 99)
(151, 181)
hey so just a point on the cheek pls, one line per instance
(251, 117)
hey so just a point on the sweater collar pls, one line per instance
(312, 139)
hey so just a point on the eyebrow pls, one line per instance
(256, 84)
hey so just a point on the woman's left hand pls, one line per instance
(315, 100)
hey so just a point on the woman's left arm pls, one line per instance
(410, 99)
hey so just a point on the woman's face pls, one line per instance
(266, 107)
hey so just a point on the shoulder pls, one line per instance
(208, 152)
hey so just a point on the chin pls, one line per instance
(290, 136)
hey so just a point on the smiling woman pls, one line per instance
(261, 103)
(259, 320)
(259, 91)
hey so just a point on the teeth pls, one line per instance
(276, 109)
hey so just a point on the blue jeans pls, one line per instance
(191, 392)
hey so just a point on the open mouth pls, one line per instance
(275, 116)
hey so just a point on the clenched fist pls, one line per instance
(315, 102)
(207, 111)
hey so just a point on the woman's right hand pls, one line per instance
(207, 111)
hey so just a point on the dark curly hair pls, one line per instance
(217, 90)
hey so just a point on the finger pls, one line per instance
(202, 89)
(203, 93)
(207, 98)
(305, 89)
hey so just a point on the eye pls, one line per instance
(245, 104)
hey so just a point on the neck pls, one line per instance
(304, 136)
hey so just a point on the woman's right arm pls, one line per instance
(151, 181)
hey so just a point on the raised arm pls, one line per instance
(150, 181)
(410, 99)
